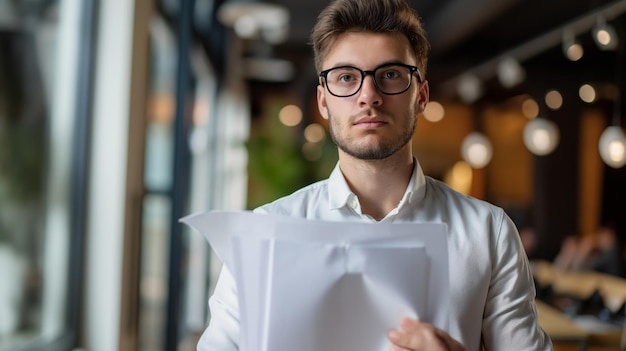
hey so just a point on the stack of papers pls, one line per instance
(313, 285)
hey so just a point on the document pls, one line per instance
(313, 285)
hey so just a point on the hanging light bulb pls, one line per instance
(476, 150)
(249, 19)
(541, 136)
(530, 108)
(469, 88)
(587, 93)
(510, 72)
(612, 144)
(554, 99)
(572, 49)
(612, 147)
(604, 35)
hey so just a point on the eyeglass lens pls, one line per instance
(346, 81)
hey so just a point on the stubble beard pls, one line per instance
(379, 151)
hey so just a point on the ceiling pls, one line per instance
(466, 34)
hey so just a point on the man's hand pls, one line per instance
(414, 335)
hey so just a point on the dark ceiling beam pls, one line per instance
(537, 45)
(459, 19)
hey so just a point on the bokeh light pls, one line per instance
(587, 93)
(434, 111)
(554, 100)
(290, 115)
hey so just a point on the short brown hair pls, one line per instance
(376, 16)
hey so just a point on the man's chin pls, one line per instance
(369, 154)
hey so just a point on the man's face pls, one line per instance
(371, 125)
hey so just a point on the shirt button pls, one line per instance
(354, 204)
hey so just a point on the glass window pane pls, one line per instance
(154, 271)
(37, 127)
(158, 178)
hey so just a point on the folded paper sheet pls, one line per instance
(315, 285)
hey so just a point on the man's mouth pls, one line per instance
(370, 122)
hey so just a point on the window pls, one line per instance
(44, 61)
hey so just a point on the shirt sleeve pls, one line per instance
(510, 318)
(222, 334)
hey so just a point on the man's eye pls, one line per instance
(346, 78)
(390, 75)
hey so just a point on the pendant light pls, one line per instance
(476, 150)
(612, 144)
(541, 136)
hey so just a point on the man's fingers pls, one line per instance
(409, 324)
(415, 335)
(449, 341)
(419, 336)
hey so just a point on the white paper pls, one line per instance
(344, 296)
(316, 285)
(250, 272)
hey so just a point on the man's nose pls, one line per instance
(369, 94)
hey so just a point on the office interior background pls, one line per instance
(119, 117)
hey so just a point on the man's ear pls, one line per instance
(322, 105)
(423, 96)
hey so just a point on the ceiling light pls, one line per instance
(572, 49)
(604, 35)
(476, 150)
(246, 27)
(530, 108)
(541, 136)
(470, 88)
(249, 19)
(587, 93)
(276, 34)
(554, 99)
(510, 72)
(612, 147)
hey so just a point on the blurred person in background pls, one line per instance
(601, 251)
(573, 253)
(607, 255)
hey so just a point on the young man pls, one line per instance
(371, 55)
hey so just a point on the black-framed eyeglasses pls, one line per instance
(389, 79)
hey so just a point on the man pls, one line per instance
(371, 55)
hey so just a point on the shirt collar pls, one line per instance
(339, 192)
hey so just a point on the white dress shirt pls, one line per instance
(492, 296)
